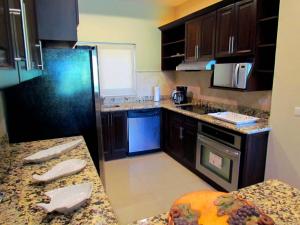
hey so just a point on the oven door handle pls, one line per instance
(223, 148)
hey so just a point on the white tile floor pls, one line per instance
(144, 186)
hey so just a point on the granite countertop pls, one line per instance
(277, 199)
(261, 126)
(21, 195)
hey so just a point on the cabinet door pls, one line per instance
(192, 33)
(33, 41)
(166, 130)
(57, 20)
(189, 142)
(23, 26)
(105, 119)
(6, 51)
(244, 38)
(118, 135)
(225, 26)
(207, 36)
(176, 135)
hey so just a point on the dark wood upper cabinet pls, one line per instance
(57, 20)
(244, 41)
(34, 43)
(200, 37)
(225, 30)
(236, 26)
(173, 47)
(192, 39)
(230, 31)
(6, 54)
(207, 36)
(114, 131)
(18, 39)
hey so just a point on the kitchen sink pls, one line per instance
(204, 109)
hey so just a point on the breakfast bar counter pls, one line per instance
(21, 195)
(277, 199)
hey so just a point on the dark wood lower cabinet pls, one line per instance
(253, 159)
(180, 142)
(189, 142)
(175, 138)
(114, 131)
(181, 138)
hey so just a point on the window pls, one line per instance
(117, 69)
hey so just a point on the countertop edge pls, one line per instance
(249, 131)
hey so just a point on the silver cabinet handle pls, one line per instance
(197, 47)
(25, 36)
(13, 13)
(232, 44)
(39, 45)
(229, 45)
(181, 133)
(195, 52)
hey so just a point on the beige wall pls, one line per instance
(121, 21)
(136, 22)
(283, 160)
(198, 85)
(147, 80)
(2, 117)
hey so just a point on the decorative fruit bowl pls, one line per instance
(216, 208)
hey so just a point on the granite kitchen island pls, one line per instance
(277, 199)
(21, 195)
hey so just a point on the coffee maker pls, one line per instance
(179, 96)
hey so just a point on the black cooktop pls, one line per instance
(200, 109)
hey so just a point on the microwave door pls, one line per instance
(223, 75)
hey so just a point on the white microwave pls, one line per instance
(232, 75)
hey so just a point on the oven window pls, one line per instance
(219, 165)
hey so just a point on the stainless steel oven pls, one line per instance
(218, 156)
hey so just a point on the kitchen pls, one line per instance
(63, 103)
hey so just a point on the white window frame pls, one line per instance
(118, 92)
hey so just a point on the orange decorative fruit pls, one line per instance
(202, 203)
(216, 208)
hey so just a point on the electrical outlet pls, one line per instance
(297, 111)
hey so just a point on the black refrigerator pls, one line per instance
(64, 101)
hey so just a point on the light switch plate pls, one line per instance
(297, 111)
